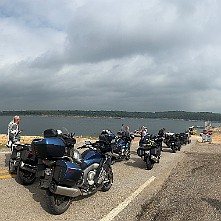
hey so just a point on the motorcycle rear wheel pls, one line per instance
(25, 177)
(173, 149)
(57, 204)
(11, 167)
(149, 164)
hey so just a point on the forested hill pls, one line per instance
(205, 116)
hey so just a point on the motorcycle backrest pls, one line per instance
(50, 133)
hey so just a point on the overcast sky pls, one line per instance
(143, 55)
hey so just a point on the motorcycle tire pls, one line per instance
(127, 155)
(149, 163)
(57, 204)
(108, 181)
(25, 177)
(173, 149)
(11, 167)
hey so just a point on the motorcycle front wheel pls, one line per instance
(108, 179)
(127, 155)
(25, 177)
(57, 204)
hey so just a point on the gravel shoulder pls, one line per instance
(192, 191)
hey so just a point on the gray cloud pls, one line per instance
(114, 55)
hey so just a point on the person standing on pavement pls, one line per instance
(127, 131)
(13, 131)
(161, 135)
(143, 132)
(161, 132)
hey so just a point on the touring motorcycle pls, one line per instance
(172, 140)
(66, 177)
(19, 152)
(24, 163)
(150, 149)
(119, 146)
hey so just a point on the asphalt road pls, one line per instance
(133, 186)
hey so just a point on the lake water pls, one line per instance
(35, 125)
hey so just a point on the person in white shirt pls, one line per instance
(13, 131)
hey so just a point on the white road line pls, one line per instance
(114, 212)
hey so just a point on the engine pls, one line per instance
(90, 177)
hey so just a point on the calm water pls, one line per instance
(35, 125)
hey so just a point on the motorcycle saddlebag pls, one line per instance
(140, 152)
(67, 173)
(48, 147)
(153, 151)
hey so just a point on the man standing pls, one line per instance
(13, 131)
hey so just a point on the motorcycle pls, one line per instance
(18, 152)
(150, 150)
(27, 162)
(183, 138)
(20, 156)
(67, 177)
(27, 166)
(119, 146)
(172, 141)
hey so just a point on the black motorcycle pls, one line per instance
(22, 155)
(150, 150)
(66, 177)
(173, 142)
(183, 138)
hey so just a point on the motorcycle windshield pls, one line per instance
(64, 131)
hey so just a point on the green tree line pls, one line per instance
(201, 116)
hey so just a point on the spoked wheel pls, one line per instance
(107, 183)
(57, 204)
(25, 177)
(149, 163)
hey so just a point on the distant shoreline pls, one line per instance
(174, 115)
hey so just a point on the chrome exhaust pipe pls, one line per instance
(67, 191)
